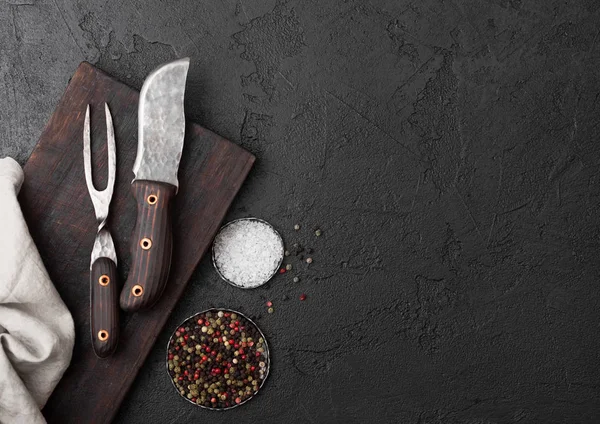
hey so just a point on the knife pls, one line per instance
(161, 129)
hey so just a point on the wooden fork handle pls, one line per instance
(104, 306)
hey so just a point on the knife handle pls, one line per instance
(105, 306)
(151, 245)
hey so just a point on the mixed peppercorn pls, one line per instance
(218, 359)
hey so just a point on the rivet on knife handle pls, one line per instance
(161, 131)
(151, 245)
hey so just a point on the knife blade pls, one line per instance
(161, 130)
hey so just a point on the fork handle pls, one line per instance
(105, 306)
(151, 245)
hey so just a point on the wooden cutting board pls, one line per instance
(60, 215)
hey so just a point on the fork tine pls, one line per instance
(87, 152)
(112, 154)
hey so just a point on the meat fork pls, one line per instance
(104, 296)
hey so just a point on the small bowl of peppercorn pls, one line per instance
(218, 359)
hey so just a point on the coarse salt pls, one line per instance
(247, 252)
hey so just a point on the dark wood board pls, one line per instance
(60, 215)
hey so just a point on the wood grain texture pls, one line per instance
(104, 289)
(151, 245)
(56, 205)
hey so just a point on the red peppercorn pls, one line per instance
(204, 358)
(181, 330)
(186, 372)
(243, 356)
(257, 353)
(176, 347)
(208, 349)
(186, 337)
(170, 356)
(302, 296)
(217, 333)
(282, 271)
(193, 399)
(269, 303)
(252, 368)
(214, 400)
(238, 400)
(180, 378)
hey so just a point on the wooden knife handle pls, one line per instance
(105, 307)
(151, 245)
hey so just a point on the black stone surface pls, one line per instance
(449, 152)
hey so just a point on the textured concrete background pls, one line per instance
(449, 150)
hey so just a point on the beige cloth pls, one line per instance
(36, 329)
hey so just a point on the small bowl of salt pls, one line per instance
(247, 252)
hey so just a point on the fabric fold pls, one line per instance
(36, 329)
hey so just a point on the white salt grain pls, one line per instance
(247, 252)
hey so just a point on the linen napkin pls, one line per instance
(36, 329)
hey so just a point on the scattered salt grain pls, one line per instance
(247, 252)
